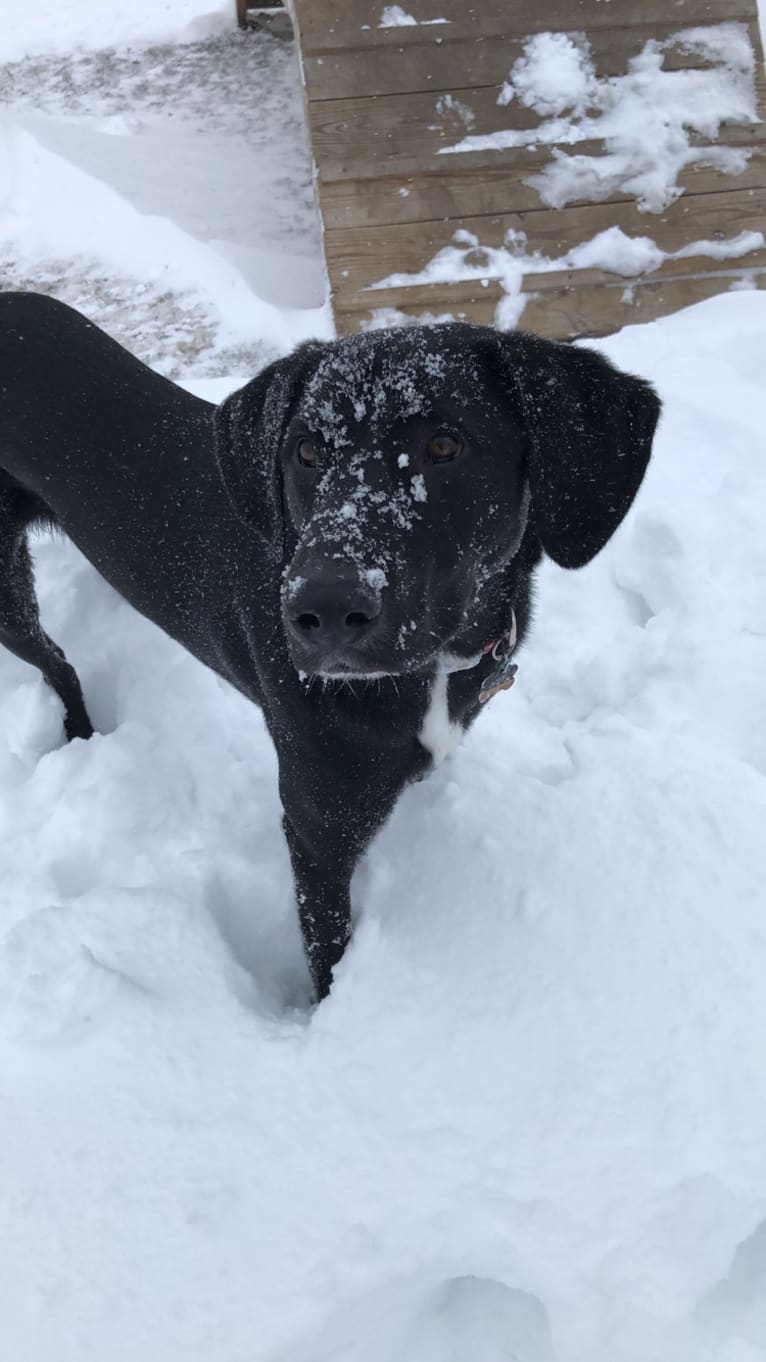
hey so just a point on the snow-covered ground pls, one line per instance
(529, 1124)
(167, 192)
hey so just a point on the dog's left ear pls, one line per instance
(590, 430)
(249, 427)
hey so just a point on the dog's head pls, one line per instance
(395, 472)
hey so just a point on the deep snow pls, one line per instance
(530, 1121)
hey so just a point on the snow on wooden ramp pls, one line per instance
(571, 167)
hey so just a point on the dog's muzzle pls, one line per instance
(332, 619)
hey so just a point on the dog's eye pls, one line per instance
(307, 452)
(443, 447)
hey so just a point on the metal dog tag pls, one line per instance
(504, 675)
(502, 678)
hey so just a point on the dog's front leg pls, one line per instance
(328, 825)
(322, 887)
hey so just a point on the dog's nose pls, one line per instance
(334, 608)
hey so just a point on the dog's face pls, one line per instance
(401, 467)
(404, 479)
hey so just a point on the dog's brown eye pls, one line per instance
(443, 447)
(307, 453)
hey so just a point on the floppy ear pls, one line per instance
(590, 430)
(249, 428)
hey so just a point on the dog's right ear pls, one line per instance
(590, 429)
(249, 428)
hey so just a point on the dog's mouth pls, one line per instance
(341, 625)
(366, 647)
(348, 669)
(440, 662)
(346, 674)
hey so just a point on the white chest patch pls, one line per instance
(439, 735)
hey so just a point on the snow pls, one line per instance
(394, 16)
(553, 74)
(63, 25)
(647, 119)
(530, 1121)
(612, 250)
(155, 221)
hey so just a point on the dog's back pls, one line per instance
(94, 441)
(69, 393)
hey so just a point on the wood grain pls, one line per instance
(436, 67)
(383, 103)
(333, 25)
(360, 257)
(572, 312)
(406, 134)
(482, 189)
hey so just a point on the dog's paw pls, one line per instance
(77, 725)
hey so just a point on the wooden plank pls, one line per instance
(566, 313)
(331, 25)
(436, 66)
(446, 57)
(481, 188)
(390, 202)
(405, 134)
(467, 292)
(357, 257)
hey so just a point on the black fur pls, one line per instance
(381, 565)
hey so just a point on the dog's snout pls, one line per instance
(332, 608)
(333, 617)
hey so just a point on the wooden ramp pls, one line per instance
(390, 88)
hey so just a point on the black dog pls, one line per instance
(349, 540)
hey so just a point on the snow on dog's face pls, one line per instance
(403, 479)
(394, 473)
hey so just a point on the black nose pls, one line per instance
(334, 608)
